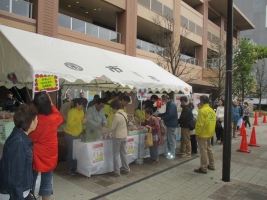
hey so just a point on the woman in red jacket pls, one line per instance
(45, 151)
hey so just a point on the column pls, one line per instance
(127, 26)
(46, 14)
(201, 51)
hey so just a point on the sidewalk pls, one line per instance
(248, 178)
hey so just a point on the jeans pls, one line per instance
(46, 183)
(69, 140)
(171, 140)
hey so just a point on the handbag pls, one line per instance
(192, 124)
(218, 125)
(149, 138)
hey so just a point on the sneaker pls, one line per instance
(72, 171)
(186, 155)
(200, 171)
(170, 157)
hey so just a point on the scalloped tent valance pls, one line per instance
(25, 53)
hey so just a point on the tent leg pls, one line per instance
(140, 160)
(28, 92)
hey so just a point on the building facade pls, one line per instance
(126, 26)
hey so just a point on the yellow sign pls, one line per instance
(46, 82)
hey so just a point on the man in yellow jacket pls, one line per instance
(205, 128)
(124, 102)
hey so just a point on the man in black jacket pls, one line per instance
(11, 102)
(150, 103)
(185, 117)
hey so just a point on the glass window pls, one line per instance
(91, 29)
(103, 33)
(113, 36)
(78, 25)
(21, 7)
(4, 5)
(64, 21)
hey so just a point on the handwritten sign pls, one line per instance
(45, 82)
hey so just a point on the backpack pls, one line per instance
(163, 128)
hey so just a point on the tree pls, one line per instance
(170, 46)
(243, 80)
(261, 81)
(217, 65)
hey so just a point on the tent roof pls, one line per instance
(26, 53)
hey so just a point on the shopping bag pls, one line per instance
(239, 123)
(149, 138)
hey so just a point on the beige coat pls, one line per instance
(118, 126)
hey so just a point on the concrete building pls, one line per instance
(126, 26)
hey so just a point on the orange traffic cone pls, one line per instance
(256, 120)
(242, 129)
(260, 114)
(253, 141)
(264, 119)
(244, 145)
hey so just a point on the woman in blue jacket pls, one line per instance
(235, 116)
(16, 178)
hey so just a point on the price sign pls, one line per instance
(142, 94)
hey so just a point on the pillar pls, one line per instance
(201, 51)
(46, 14)
(127, 26)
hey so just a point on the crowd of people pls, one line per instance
(32, 147)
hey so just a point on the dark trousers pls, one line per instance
(153, 151)
(219, 134)
(246, 120)
(193, 143)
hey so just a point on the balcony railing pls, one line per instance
(87, 28)
(157, 7)
(140, 44)
(18, 7)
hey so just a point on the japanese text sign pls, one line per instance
(45, 82)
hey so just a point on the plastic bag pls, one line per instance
(149, 138)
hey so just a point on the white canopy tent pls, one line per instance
(26, 53)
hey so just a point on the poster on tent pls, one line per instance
(196, 98)
(130, 146)
(45, 82)
(98, 152)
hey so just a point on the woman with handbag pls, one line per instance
(153, 123)
(16, 163)
(119, 131)
(45, 151)
(219, 122)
